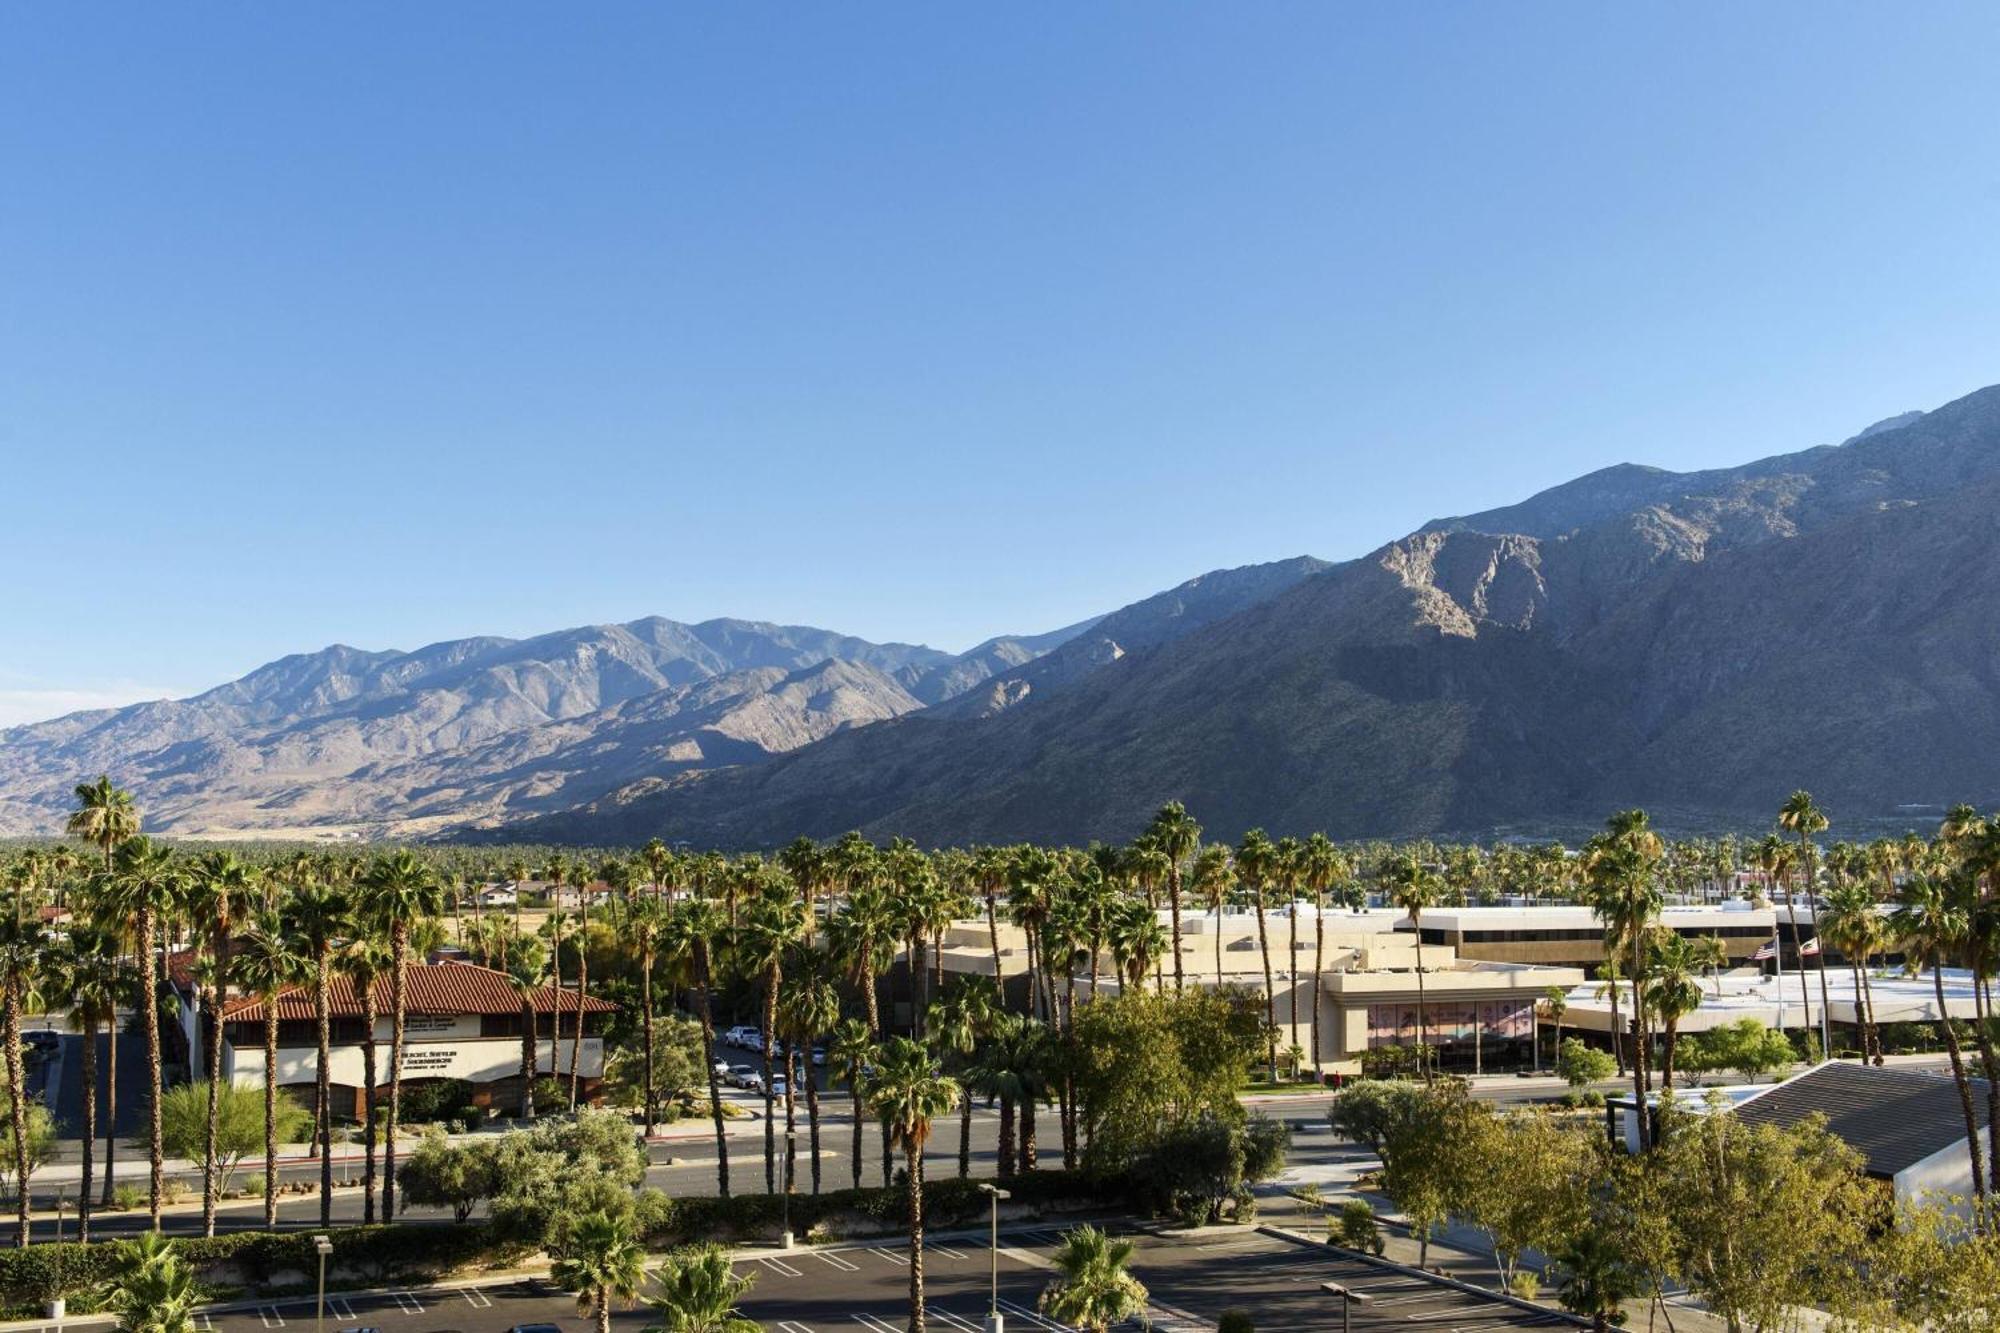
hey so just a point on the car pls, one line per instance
(778, 1085)
(748, 1038)
(722, 1070)
(819, 1056)
(742, 1076)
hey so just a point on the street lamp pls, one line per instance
(994, 1322)
(1348, 1298)
(790, 1140)
(323, 1246)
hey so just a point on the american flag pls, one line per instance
(1769, 950)
(1810, 947)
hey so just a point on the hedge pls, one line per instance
(400, 1252)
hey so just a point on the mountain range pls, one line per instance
(1700, 643)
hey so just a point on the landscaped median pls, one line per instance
(285, 1264)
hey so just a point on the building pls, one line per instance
(1567, 936)
(1481, 1014)
(1776, 1001)
(461, 1022)
(1907, 1124)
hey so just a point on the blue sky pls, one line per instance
(385, 324)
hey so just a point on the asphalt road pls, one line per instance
(1191, 1279)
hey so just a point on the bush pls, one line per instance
(1355, 1228)
(435, 1100)
(1581, 1064)
(470, 1119)
(1576, 1101)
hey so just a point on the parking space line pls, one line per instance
(340, 1307)
(269, 1314)
(1035, 1319)
(476, 1298)
(955, 1321)
(780, 1267)
(792, 1326)
(836, 1261)
(205, 1324)
(946, 1251)
(869, 1321)
(891, 1255)
(408, 1301)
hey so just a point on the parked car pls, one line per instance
(749, 1038)
(819, 1055)
(778, 1085)
(742, 1076)
(722, 1070)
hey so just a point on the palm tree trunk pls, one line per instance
(323, 1085)
(771, 978)
(89, 1122)
(271, 1112)
(1982, 1033)
(17, 1097)
(218, 994)
(1027, 1134)
(1805, 994)
(646, 1004)
(1423, 1013)
(1007, 1138)
(110, 1103)
(530, 1043)
(1868, 993)
(791, 1116)
(964, 1137)
(812, 1116)
(1174, 912)
(854, 1094)
(1319, 950)
(1959, 1077)
(993, 935)
(916, 1170)
(368, 1105)
(1270, 994)
(399, 963)
(582, 990)
(149, 1001)
(1292, 966)
(707, 1013)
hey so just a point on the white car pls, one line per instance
(745, 1076)
(722, 1070)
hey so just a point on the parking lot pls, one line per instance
(1193, 1279)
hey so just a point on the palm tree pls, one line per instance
(851, 1055)
(1137, 940)
(1852, 924)
(365, 960)
(1257, 863)
(21, 947)
(989, 873)
(771, 926)
(908, 1093)
(266, 964)
(809, 1008)
(1412, 886)
(601, 1263)
(153, 1290)
(1673, 990)
(645, 927)
(399, 889)
(1214, 876)
(1625, 895)
(957, 1025)
(1556, 1000)
(694, 930)
(699, 1293)
(1801, 817)
(143, 885)
(317, 915)
(1012, 1069)
(863, 937)
(1094, 1290)
(1775, 858)
(1176, 834)
(1323, 867)
(1933, 920)
(218, 896)
(105, 816)
(97, 981)
(1288, 868)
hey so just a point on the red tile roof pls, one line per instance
(437, 988)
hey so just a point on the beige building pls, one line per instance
(1566, 936)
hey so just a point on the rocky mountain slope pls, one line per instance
(1700, 643)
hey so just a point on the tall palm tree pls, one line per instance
(1214, 875)
(144, 884)
(989, 874)
(1776, 857)
(1626, 896)
(318, 916)
(265, 964)
(908, 1093)
(1288, 869)
(104, 816)
(97, 981)
(1137, 941)
(219, 894)
(1322, 868)
(957, 1024)
(863, 938)
(398, 891)
(1852, 925)
(700, 1293)
(603, 1264)
(851, 1055)
(1932, 919)
(1094, 1290)
(693, 934)
(771, 925)
(1411, 887)
(22, 944)
(1176, 834)
(365, 960)
(808, 1010)
(1673, 990)
(1256, 865)
(645, 927)
(1802, 818)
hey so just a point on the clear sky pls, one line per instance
(384, 324)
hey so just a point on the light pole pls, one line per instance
(786, 1240)
(322, 1246)
(1348, 1298)
(995, 1323)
